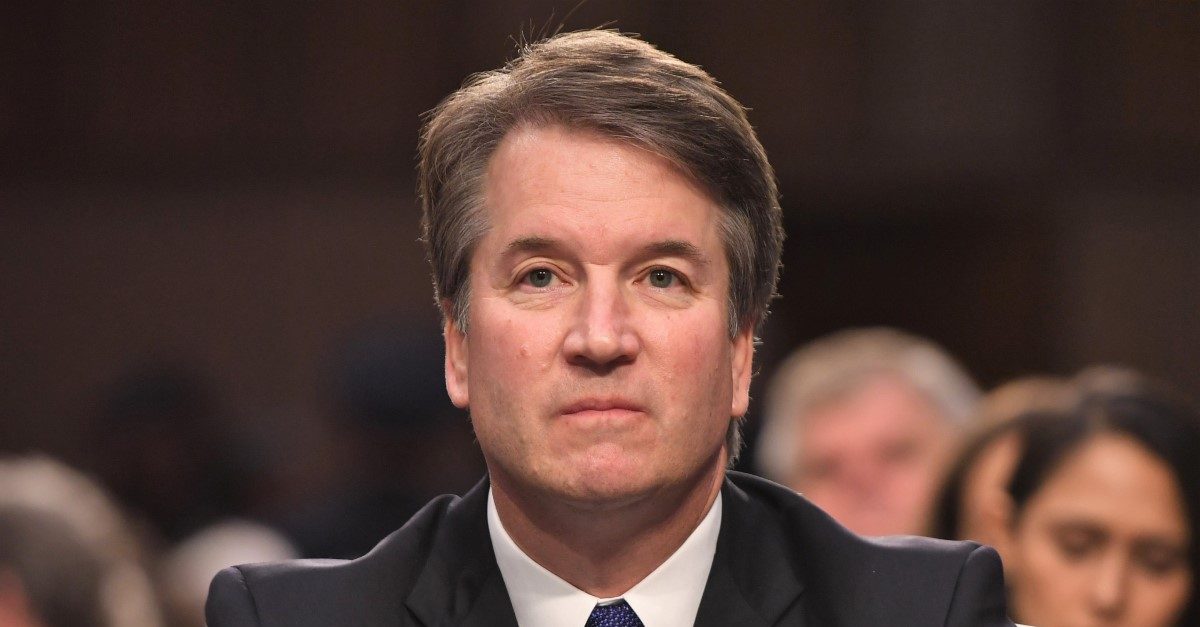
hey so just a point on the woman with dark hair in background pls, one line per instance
(973, 502)
(1105, 509)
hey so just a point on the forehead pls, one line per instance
(556, 182)
(882, 407)
(1114, 479)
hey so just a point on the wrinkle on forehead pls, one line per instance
(658, 248)
(643, 173)
(594, 180)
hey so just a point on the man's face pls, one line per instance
(872, 458)
(597, 364)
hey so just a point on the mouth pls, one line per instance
(602, 410)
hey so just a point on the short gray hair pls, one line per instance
(836, 365)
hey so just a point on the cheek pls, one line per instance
(706, 366)
(1162, 599)
(1043, 558)
(912, 479)
(509, 347)
(692, 367)
(700, 357)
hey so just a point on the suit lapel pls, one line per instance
(492, 607)
(460, 583)
(753, 581)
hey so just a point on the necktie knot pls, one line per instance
(617, 614)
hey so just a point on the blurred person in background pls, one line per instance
(162, 449)
(67, 558)
(973, 502)
(1106, 509)
(386, 442)
(862, 423)
(188, 567)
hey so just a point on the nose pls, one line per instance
(1110, 587)
(602, 336)
(863, 478)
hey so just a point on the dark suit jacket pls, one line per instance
(779, 561)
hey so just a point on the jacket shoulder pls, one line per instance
(366, 590)
(893, 580)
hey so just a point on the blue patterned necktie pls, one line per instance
(618, 614)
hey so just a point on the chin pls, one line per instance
(613, 486)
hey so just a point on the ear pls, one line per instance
(743, 367)
(456, 359)
(998, 525)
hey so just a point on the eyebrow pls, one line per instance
(678, 248)
(530, 244)
(661, 248)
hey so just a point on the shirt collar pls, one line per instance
(668, 597)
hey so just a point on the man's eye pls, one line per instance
(539, 277)
(662, 278)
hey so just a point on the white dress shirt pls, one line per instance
(667, 597)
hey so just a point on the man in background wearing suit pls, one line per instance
(605, 236)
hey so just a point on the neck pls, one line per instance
(604, 550)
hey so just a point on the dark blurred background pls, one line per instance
(211, 285)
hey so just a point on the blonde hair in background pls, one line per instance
(44, 488)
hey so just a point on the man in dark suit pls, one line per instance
(605, 235)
